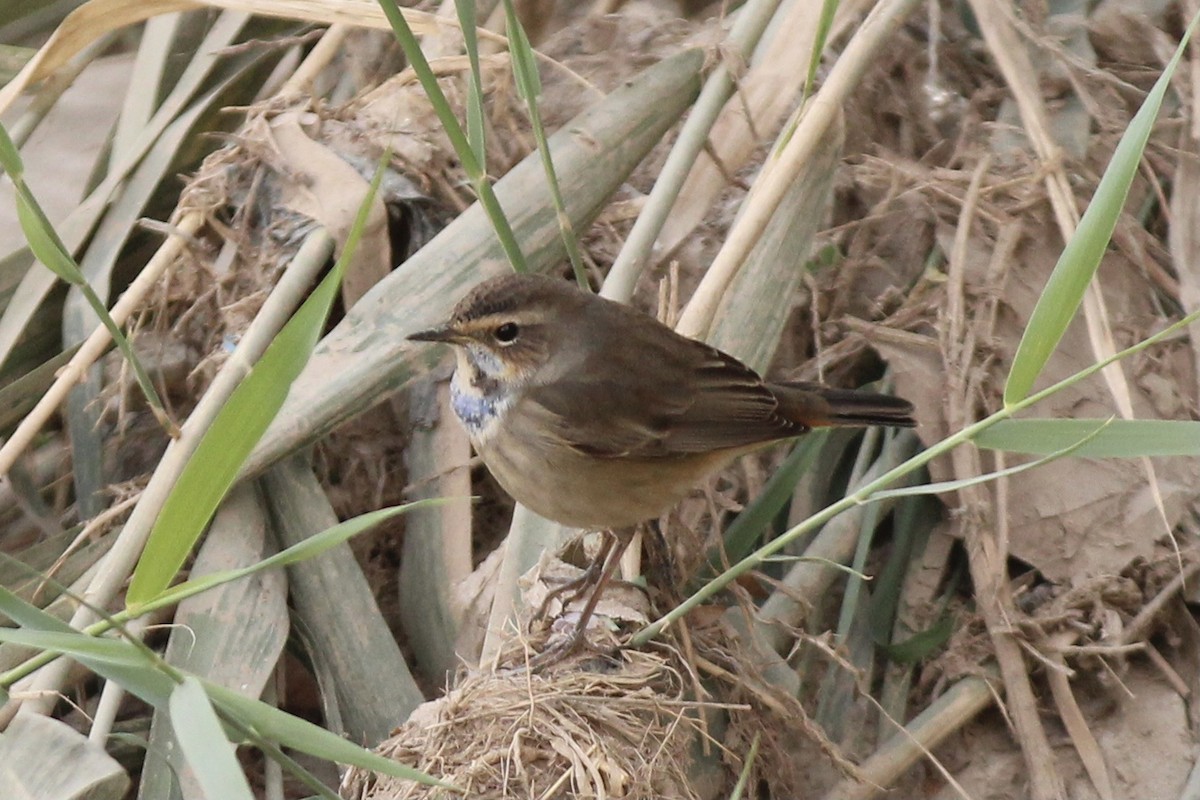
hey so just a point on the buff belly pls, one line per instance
(581, 491)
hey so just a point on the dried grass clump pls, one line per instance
(569, 733)
(261, 196)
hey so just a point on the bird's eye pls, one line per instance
(506, 333)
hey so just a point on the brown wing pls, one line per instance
(655, 397)
(730, 407)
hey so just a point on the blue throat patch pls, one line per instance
(474, 410)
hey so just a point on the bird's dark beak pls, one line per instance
(442, 333)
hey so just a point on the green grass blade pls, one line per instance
(43, 241)
(28, 615)
(739, 789)
(748, 526)
(824, 24)
(120, 661)
(529, 88)
(1064, 291)
(203, 743)
(214, 466)
(77, 645)
(454, 132)
(1119, 439)
(48, 248)
(10, 157)
(922, 644)
(111, 659)
(912, 521)
(1087, 434)
(309, 548)
(475, 131)
(303, 735)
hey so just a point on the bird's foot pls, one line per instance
(575, 589)
(576, 643)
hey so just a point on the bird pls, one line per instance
(597, 416)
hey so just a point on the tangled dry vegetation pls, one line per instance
(1034, 634)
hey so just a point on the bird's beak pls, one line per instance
(442, 333)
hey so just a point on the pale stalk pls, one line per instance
(622, 277)
(820, 116)
(120, 560)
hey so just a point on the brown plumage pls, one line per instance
(596, 415)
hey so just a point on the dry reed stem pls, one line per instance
(96, 344)
(819, 117)
(986, 552)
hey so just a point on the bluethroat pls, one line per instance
(597, 416)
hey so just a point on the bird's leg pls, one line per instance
(579, 586)
(616, 549)
(612, 552)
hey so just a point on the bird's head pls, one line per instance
(510, 329)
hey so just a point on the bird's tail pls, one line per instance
(818, 406)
